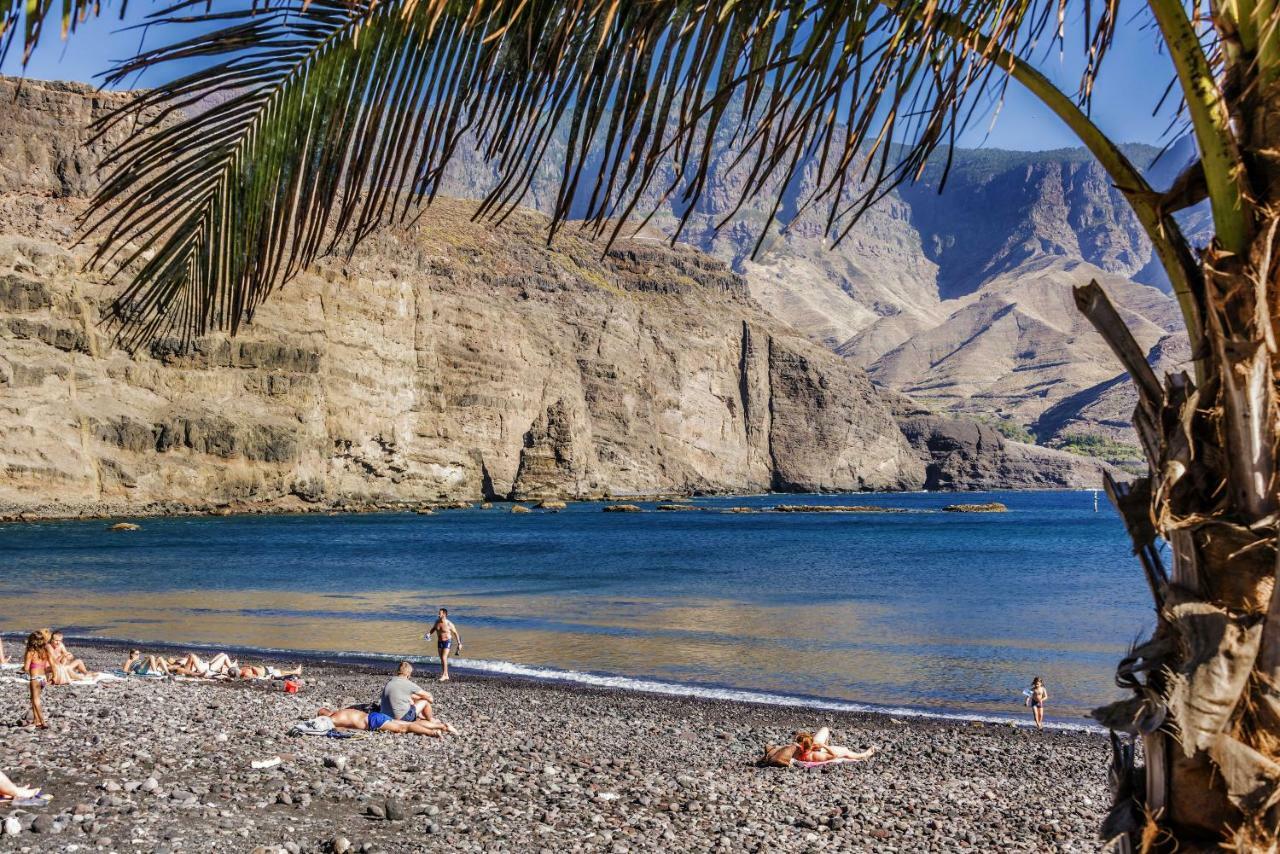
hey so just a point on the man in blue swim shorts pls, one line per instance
(447, 638)
(359, 719)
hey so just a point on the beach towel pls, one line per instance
(95, 679)
(39, 799)
(822, 764)
(315, 726)
(13, 665)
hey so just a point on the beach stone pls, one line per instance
(12, 827)
(42, 824)
(340, 845)
(376, 810)
(150, 784)
(395, 810)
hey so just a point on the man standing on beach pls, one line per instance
(447, 638)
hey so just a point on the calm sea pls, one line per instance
(923, 610)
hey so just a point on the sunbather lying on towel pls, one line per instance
(356, 718)
(812, 748)
(138, 664)
(266, 671)
(192, 665)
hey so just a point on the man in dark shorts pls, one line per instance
(447, 639)
(404, 700)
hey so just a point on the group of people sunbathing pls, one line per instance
(220, 666)
(47, 661)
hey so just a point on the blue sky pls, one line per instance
(1134, 77)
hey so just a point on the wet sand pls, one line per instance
(166, 766)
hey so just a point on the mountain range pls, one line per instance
(956, 294)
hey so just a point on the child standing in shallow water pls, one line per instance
(1035, 699)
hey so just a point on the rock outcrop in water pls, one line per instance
(452, 360)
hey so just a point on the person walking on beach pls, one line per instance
(447, 639)
(1035, 699)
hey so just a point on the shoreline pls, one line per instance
(294, 506)
(167, 765)
(526, 675)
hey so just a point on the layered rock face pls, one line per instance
(451, 360)
(959, 296)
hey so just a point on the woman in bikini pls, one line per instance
(1035, 699)
(138, 664)
(38, 666)
(265, 671)
(815, 747)
(193, 665)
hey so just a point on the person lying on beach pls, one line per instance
(138, 664)
(4, 659)
(38, 666)
(404, 700)
(357, 718)
(10, 790)
(265, 671)
(192, 665)
(66, 667)
(812, 747)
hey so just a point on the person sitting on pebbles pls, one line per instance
(138, 664)
(357, 718)
(403, 699)
(812, 747)
(66, 667)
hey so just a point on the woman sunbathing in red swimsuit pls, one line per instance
(808, 747)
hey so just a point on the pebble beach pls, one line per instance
(138, 765)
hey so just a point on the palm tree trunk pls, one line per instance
(1205, 701)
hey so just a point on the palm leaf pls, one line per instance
(340, 116)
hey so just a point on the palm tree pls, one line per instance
(296, 128)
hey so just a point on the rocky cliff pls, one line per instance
(450, 360)
(959, 295)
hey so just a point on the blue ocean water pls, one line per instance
(925, 610)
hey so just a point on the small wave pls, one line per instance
(739, 695)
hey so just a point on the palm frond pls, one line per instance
(339, 116)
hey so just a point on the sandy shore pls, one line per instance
(166, 766)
